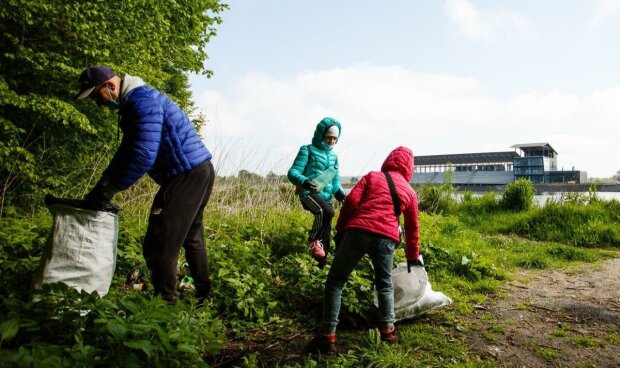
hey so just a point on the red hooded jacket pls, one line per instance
(369, 206)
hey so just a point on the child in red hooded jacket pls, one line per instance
(368, 224)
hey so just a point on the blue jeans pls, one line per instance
(354, 245)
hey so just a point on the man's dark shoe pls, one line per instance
(323, 343)
(389, 335)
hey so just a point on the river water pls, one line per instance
(541, 198)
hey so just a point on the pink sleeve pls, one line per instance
(350, 203)
(412, 230)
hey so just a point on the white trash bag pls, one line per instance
(80, 250)
(413, 294)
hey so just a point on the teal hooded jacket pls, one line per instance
(321, 158)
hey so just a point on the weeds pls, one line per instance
(584, 341)
(437, 199)
(547, 353)
(264, 280)
(518, 196)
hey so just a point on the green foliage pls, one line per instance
(568, 253)
(264, 283)
(518, 196)
(533, 263)
(485, 204)
(584, 226)
(578, 198)
(436, 199)
(463, 264)
(65, 327)
(547, 353)
(52, 142)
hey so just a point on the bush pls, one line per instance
(68, 328)
(518, 196)
(476, 205)
(437, 199)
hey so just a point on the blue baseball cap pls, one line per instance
(93, 77)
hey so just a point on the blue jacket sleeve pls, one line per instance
(336, 185)
(137, 152)
(296, 172)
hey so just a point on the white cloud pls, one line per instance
(603, 10)
(263, 123)
(478, 24)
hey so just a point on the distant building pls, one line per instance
(534, 161)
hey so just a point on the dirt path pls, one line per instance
(566, 318)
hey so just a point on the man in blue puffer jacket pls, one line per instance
(158, 139)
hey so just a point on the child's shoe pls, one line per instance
(324, 343)
(389, 335)
(316, 249)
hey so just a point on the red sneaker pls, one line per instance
(316, 248)
(323, 343)
(389, 335)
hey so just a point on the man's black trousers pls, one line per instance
(176, 221)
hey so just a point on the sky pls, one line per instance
(440, 77)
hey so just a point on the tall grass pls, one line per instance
(592, 225)
(437, 199)
(518, 196)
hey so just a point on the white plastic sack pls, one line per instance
(430, 299)
(81, 249)
(408, 287)
(413, 294)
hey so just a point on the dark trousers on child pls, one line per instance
(323, 214)
(176, 221)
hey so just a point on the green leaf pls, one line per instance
(8, 329)
(131, 306)
(118, 330)
(186, 348)
(144, 345)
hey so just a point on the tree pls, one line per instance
(248, 176)
(51, 142)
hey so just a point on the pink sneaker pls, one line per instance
(316, 248)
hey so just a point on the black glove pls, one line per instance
(309, 185)
(340, 196)
(98, 197)
(338, 238)
(411, 263)
(95, 200)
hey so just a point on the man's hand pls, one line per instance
(95, 199)
(309, 185)
(99, 196)
(412, 263)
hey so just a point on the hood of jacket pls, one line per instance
(129, 83)
(400, 160)
(321, 129)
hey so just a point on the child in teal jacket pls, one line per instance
(315, 173)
